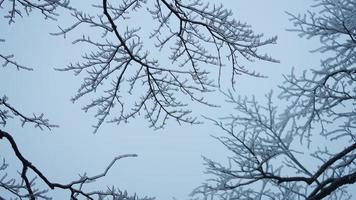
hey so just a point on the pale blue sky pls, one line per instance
(169, 162)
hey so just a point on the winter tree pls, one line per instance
(307, 148)
(121, 70)
(195, 37)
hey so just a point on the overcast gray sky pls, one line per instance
(169, 162)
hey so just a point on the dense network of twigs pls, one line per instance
(188, 30)
(267, 141)
(194, 35)
(27, 185)
(308, 149)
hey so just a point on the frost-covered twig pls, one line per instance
(7, 111)
(306, 149)
(192, 35)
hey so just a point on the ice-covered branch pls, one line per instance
(285, 152)
(26, 188)
(194, 36)
(7, 111)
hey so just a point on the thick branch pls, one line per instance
(26, 165)
(334, 185)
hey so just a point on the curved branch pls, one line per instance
(26, 165)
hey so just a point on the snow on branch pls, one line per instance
(197, 39)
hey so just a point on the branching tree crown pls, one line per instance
(295, 153)
(205, 36)
(121, 67)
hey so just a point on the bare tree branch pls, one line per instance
(286, 152)
(75, 187)
(7, 111)
(157, 89)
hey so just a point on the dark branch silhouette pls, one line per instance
(8, 112)
(306, 150)
(200, 40)
(26, 189)
(24, 186)
(19, 8)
